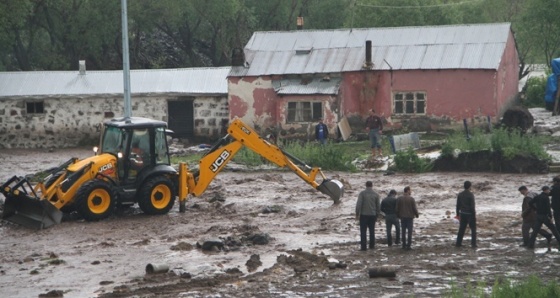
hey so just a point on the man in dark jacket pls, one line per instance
(374, 128)
(529, 216)
(406, 210)
(389, 207)
(466, 211)
(321, 132)
(367, 209)
(542, 205)
(555, 201)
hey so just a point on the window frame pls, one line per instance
(406, 103)
(35, 107)
(303, 111)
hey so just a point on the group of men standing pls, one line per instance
(536, 211)
(369, 207)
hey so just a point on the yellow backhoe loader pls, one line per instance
(132, 166)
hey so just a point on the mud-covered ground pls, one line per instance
(312, 247)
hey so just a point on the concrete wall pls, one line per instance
(451, 95)
(70, 122)
(257, 104)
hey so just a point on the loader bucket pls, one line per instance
(30, 212)
(332, 188)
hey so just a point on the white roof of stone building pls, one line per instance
(180, 82)
(474, 46)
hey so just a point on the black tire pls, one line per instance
(157, 195)
(95, 200)
(69, 208)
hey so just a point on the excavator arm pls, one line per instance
(240, 135)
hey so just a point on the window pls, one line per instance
(304, 111)
(35, 107)
(409, 103)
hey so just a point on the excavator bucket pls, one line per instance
(332, 188)
(31, 212)
(26, 210)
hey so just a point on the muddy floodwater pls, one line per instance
(312, 247)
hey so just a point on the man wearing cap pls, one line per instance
(555, 201)
(542, 205)
(529, 216)
(321, 132)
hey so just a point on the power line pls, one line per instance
(420, 6)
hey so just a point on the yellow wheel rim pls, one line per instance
(161, 196)
(99, 201)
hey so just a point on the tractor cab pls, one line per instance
(140, 144)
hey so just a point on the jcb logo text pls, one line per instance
(219, 161)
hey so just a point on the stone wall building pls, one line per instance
(55, 109)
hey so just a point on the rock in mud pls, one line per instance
(382, 272)
(53, 293)
(210, 244)
(271, 209)
(259, 239)
(253, 263)
(182, 246)
(234, 270)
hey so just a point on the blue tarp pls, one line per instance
(552, 82)
(551, 88)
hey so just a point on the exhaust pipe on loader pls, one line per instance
(23, 206)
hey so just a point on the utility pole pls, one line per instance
(126, 63)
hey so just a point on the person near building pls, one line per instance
(406, 211)
(367, 209)
(541, 203)
(466, 211)
(555, 201)
(529, 216)
(389, 208)
(374, 128)
(321, 132)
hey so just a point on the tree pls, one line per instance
(540, 27)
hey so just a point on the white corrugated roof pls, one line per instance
(475, 46)
(182, 81)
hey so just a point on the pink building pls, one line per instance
(420, 77)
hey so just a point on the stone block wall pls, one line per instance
(211, 117)
(71, 122)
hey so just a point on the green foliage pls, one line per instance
(509, 143)
(328, 157)
(534, 92)
(512, 143)
(458, 140)
(408, 161)
(55, 34)
(504, 288)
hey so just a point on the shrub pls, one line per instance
(508, 142)
(327, 157)
(408, 161)
(505, 288)
(534, 92)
